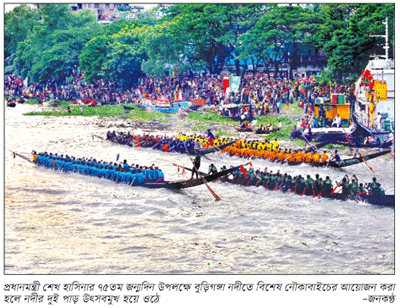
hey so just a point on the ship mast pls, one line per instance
(386, 36)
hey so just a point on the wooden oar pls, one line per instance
(305, 139)
(217, 198)
(22, 156)
(97, 137)
(335, 187)
(363, 158)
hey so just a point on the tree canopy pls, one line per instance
(53, 42)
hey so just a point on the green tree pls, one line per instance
(211, 31)
(17, 25)
(344, 34)
(124, 58)
(94, 53)
(52, 49)
(162, 48)
(92, 58)
(281, 31)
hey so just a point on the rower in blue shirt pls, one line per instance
(140, 178)
(160, 175)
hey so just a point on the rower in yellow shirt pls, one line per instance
(275, 145)
(324, 157)
(279, 155)
(316, 157)
(298, 157)
(307, 157)
(271, 155)
(291, 157)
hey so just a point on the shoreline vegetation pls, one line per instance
(197, 122)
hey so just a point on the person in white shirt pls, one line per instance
(378, 122)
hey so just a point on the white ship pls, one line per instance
(374, 108)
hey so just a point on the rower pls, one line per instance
(324, 157)
(318, 183)
(34, 156)
(316, 157)
(375, 188)
(212, 169)
(335, 156)
(160, 175)
(345, 186)
(275, 145)
(327, 186)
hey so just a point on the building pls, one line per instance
(109, 11)
(160, 6)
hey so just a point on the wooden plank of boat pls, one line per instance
(384, 145)
(214, 149)
(317, 146)
(247, 129)
(187, 183)
(349, 161)
(382, 200)
(263, 131)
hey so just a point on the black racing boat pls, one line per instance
(342, 163)
(382, 200)
(245, 129)
(264, 131)
(317, 146)
(201, 151)
(188, 183)
(204, 151)
(384, 145)
(203, 178)
(349, 161)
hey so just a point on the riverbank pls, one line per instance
(190, 123)
(196, 122)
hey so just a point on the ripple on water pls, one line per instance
(81, 225)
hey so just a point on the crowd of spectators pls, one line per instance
(257, 94)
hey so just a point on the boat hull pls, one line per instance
(350, 161)
(187, 183)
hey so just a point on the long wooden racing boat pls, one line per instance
(384, 145)
(203, 178)
(382, 200)
(201, 151)
(204, 151)
(245, 129)
(264, 131)
(188, 183)
(343, 163)
(349, 161)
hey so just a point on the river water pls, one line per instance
(72, 224)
